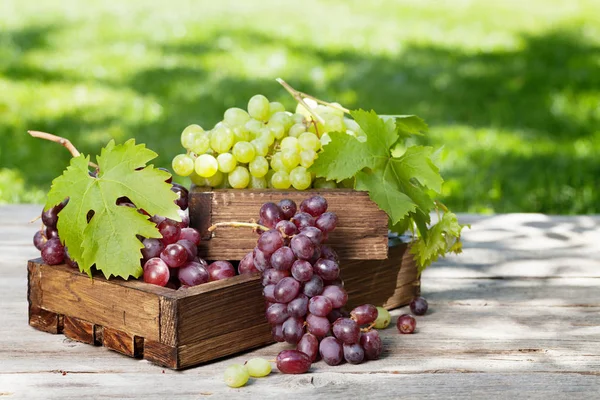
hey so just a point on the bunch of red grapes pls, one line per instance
(304, 293)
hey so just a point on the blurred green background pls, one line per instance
(511, 89)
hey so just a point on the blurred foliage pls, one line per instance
(511, 89)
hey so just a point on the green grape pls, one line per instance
(309, 141)
(235, 116)
(268, 178)
(240, 134)
(290, 143)
(276, 107)
(300, 109)
(206, 165)
(347, 183)
(221, 139)
(267, 136)
(300, 178)
(322, 183)
(188, 135)
(336, 111)
(297, 129)
(244, 152)
(325, 139)
(258, 107)
(261, 148)
(258, 367)
(298, 118)
(282, 118)
(277, 129)
(227, 162)
(307, 158)
(239, 177)
(259, 167)
(276, 162)
(200, 143)
(334, 123)
(280, 180)
(290, 159)
(254, 126)
(216, 180)
(236, 376)
(352, 125)
(183, 165)
(257, 183)
(383, 318)
(197, 179)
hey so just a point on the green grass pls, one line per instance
(511, 89)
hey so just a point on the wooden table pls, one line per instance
(517, 315)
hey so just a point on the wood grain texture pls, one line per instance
(161, 354)
(123, 342)
(361, 232)
(79, 329)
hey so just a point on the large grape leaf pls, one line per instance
(109, 240)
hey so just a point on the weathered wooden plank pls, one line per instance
(353, 208)
(123, 342)
(161, 354)
(79, 330)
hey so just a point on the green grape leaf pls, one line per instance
(443, 237)
(408, 125)
(416, 163)
(109, 240)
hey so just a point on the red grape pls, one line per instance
(419, 306)
(293, 362)
(156, 272)
(406, 323)
(220, 270)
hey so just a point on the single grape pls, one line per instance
(190, 234)
(293, 362)
(309, 141)
(220, 270)
(281, 180)
(50, 233)
(53, 252)
(277, 333)
(354, 353)
(258, 367)
(346, 330)
(326, 222)
(371, 344)
(276, 163)
(314, 234)
(298, 307)
(302, 271)
(337, 295)
(192, 273)
(287, 228)
(174, 255)
(50, 217)
(313, 287)
(270, 241)
(277, 313)
(276, 108)
(235, 116)
(261, 259)
(418, 306)
(283, 258)
(293, 329)
(39, 240)
(383, 318)
(320, 306)
(261, 147)
(221, 139)
(331, 351)
(309, 345)
(206, 165)
(246, 265)
(286, 290)
(239, 178)
(290, 143)
(259, 167)
(288, 208)
(183, 165)
(300, 178)
(269, 293)
(199, 143)
(290, 158)
(257, 183)
(182, 195)
(318, 326)
(152, 248)
(277, 129)
(254, 126)
(266, 136)
(156, 272)
(365, 314)
(302, 246)
(335, 314)
(307, 158)
(322, 183)
(328, 253)
(190, 248)
(270, 214)
(188, 135)
(169, 230)
(259, 108)
(406, 323)
(302, 220)
(272, 276)
(236, 376)
(314, 206)
(244, 152)
(297, 129)
(227, 162)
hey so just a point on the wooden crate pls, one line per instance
(182, 328)
(361, 232)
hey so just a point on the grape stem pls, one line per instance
(299, 95)
(236, 224)
(62, 141)
(35, 219)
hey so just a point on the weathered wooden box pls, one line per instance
(186, 327)
(361, 232)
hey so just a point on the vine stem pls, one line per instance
(297, 93)
(236, 224)
(298, 96)
(442, 206)
(60, 140)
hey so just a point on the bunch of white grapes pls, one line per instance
(264, 147)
